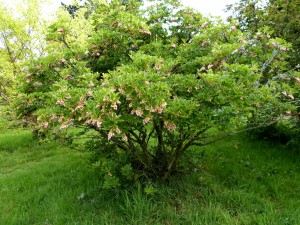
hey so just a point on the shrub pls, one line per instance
(151, 83)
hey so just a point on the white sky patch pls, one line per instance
(210, 7)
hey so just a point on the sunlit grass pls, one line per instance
(236, 181)
(15, 140)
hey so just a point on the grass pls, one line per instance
(236, 181)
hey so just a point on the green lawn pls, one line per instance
(236, 181)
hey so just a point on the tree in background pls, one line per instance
(281, 18)
(21, 38)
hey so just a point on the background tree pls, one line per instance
(21, 38)
(281, 18)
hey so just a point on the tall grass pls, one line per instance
(15, 140)
(235, 181)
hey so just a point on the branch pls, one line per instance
(149, 135)
(5, 97)
(137, 139)
(227, 135)
(282, 75)
(268, 62)
(196, 136)
(135, 152)
(121, 144)
(67, 45)
(161, 145)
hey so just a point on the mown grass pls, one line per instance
(236, 181)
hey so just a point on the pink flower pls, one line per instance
(121, 90)
(63, 126)
(124, 138)
(110, 135)
(37, 84)
(139, 112)
(89, 93)
(210, 66)
(94, 122)
(98, 124)
(146, 32)
(96, 53)
(79, 107)
(291, 96)
(204, 25)
(88, 122)
(146, 120)
(24, 69)
(202, 68)
(60, 31)
(60, 103)
(159, 110)
(54, 117)
(169, 126)
(204, 43)
(45, 125)
(114, 106)
(67, 76)
(152, 109)
(274, 44)
(68, 96)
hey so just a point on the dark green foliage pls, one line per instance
(113, 166)
(279, 133)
